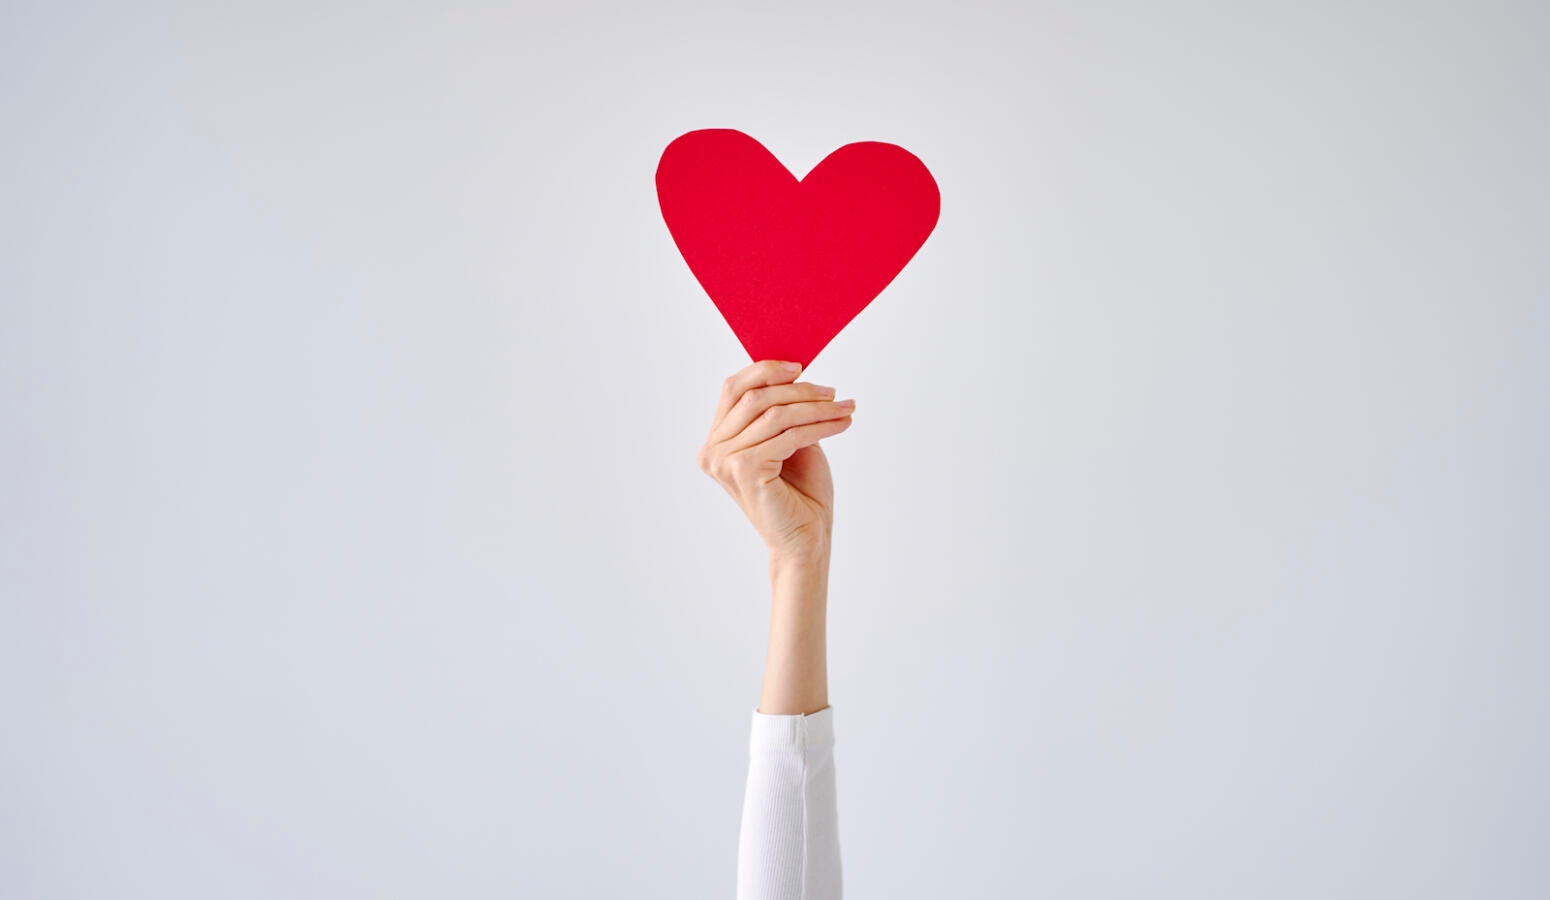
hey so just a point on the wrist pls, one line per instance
(804, 561)
(799, 582)
(803, 546)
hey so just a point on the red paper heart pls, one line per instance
(789, 263)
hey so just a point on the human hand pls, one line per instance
(763, 449)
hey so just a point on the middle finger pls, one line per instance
(791, 415)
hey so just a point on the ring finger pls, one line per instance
(777, 419)
(755, 401)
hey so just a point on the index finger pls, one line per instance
(760, 374)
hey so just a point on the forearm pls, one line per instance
(796, 676)
(789, 847)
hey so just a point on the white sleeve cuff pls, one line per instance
(812, 731)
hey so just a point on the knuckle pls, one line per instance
(742, 466)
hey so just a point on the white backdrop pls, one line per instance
(1191, 537)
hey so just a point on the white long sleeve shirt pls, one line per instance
(789, 845)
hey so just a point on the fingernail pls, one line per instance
(791, 366)
(824, 389)
(846, 404)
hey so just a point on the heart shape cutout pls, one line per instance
(788, 262)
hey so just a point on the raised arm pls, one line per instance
(763, 448)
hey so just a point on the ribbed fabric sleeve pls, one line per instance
(789, 846)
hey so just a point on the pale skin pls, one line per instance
(763, 449)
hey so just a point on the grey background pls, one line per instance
(1191, 538)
